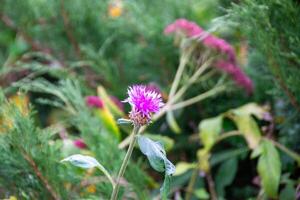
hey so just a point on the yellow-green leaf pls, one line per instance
(248, 127)
(108, 121)
(183, 167)
(210, 130)
(269, 168)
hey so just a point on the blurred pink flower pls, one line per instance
(191, 29)
(79, 143)
(237, 74)
(94, 101)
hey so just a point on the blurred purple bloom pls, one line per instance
(144, 102)
(237, 74)
(79, 143)
(94, 101)
(191, 29)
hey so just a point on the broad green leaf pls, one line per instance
(248, 127)
(209, 130)
(225, 175)
(251, 109)
(183, 167)
(201, 193)
(82, 161)
(158, 161)
(269, 168)
(288, 193)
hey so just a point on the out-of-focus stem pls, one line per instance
(198, 98)
(125, 162)
(190, 188)
(211, 186)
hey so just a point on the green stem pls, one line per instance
(105, 172)
(199, 97)
(125, 162)
(190, 188)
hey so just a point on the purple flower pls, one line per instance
(144, 103)
(80, 144)
(191, 29)
(237, 74)
(228, 65)
(94, 101)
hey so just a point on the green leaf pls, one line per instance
(251, 109)
(183, 167)
(209, 130)
(167, 142)
(288, 193)
(269, 168)
(225, 175)
(201, 193)
(158, 161)
(248, 127)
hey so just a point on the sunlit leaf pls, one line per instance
(183, 167)
(209, 130)
(108, 121)
(252, 109)
(249, 128)
(110, 104)
(269, 168)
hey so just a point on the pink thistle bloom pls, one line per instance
(80, 144)
(94, 101)
(144, 103)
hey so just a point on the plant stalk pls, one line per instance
(125, 162)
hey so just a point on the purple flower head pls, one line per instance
(144, 103)
(94, 101)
